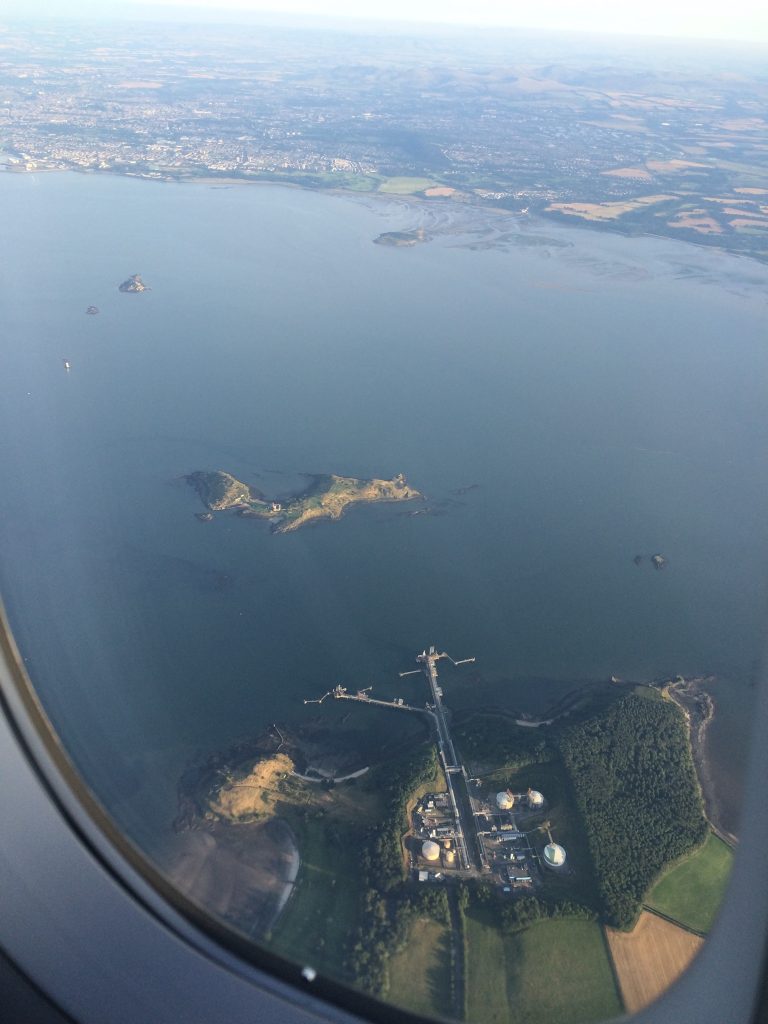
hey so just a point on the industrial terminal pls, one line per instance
(471, 829)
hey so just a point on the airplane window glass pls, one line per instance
(383, 440)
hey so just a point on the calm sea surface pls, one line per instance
(607, 396)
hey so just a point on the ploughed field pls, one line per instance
(650, 958)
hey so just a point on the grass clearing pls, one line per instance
(650, 958)
(402, 186)
(691, 891)
(552, 971)
(420, 974)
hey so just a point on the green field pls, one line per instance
(553, 972)
(420, 975)
(323, 911)
(691, 891)
(485, 969)
(405, 186)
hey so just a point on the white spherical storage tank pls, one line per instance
(554, 855)
(430, 850)
(504, 800)
(535, 798)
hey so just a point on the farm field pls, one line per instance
(485, 969)
(420, 974)
(691, 891)
(607, 210)
(506, 980)
(650, 958)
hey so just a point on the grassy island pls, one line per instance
(327, 497)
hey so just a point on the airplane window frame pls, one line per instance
(136, 939)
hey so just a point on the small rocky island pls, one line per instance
(133, 284)
(402, 238)
(92, 310)
(327, 497)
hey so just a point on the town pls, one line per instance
(507, 123)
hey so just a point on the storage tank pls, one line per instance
(504, 800)
(430, 850)
(535, 798)
(554, 855)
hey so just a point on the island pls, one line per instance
(92, 310)
(402, 238)
(133, 284)
(328, 496)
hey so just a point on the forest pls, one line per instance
(390, 903)
(636, 789)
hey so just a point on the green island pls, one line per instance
(372, 907)
(327, 497)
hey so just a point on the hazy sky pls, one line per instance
(738, 19)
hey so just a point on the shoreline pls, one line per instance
(699, 708)
(412, 198)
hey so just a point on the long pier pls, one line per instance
(470, 853)
(340, 693)
(454, 772)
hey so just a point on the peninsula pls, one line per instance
(327, 497)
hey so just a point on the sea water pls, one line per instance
(565, 399)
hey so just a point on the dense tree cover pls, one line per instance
(636, 789)
(521, 912)
(495, 739)
(390, 903)
(382, 855)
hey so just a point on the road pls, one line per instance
(466, 841)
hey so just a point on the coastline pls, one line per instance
(698, 706)
(462, 201)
